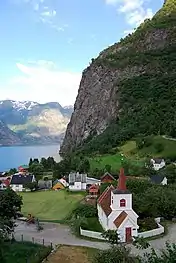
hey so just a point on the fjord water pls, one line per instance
(13, 156)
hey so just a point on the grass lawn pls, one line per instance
(92, 224)
(71, 254)
(50, 205)
(129, 149)
(18, 252)
(133, 155)
(114, 160)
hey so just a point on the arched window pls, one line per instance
(122, 203)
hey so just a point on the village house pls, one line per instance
(115, 210)
(19, 181)
(157, 163)
(159, 179)
(107, 178)
(23, 169)
(93, 190)
(60, 184)
(77, 182)
(92, 181)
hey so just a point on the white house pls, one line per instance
(115, 210)
(157, 163)
(19, 181)
(77, 181)
(159, 179)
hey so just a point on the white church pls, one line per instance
(115, 210)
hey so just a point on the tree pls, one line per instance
(10, 204)
(30, 162)
(84, 166)
(12, 171)
(31, 185)
(108, 168)
(36, 168)
(111, 236)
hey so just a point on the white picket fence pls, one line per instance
(92, 234)
(150, 233)
(153, 232)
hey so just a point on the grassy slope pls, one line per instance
(50, 205)
(132, 154)
(71, 254)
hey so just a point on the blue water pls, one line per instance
(12, 157)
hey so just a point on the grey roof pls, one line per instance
(21, 179)
(117, 191)
(158, 160)
(157, 179)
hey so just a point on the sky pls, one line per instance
(46, 44)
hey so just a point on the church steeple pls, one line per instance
(122, 181)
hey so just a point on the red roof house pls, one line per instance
(107, 178)
(94, 189)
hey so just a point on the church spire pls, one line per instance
(122, 181)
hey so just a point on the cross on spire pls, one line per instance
(122, 180)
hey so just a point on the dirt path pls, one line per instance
(60, 234)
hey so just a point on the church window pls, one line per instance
(122, 203)
(112, 200)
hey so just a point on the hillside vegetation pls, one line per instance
(145, 89)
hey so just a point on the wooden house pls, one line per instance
(107, 178)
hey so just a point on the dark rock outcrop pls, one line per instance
(97, 103)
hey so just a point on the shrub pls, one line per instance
(147, 224)
(85, 210)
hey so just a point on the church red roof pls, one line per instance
(119, 220)
(105, 200)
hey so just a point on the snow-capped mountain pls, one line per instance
(35, 122)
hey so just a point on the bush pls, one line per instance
(147, 224)
(85, 210)
(116, 254)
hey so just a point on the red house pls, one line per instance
(93, 190)
(107, 178)
(23, 169)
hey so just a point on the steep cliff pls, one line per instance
(129, 89)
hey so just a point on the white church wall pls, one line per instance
(115, 201)
(122, 230)
(102, 217)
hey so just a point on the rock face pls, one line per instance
(100, 98)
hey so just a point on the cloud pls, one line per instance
(134, 10)
(42, 81)
(44, 12)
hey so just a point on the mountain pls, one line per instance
(129, 89)
(33, 123)
(8, 137)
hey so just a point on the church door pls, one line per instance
(128, 235)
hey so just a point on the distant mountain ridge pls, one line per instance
(33, 123)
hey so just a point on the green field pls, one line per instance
(129, 149)
(114, 160)
(19, 252)
(50, 205)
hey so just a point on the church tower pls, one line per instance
(121, 198)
